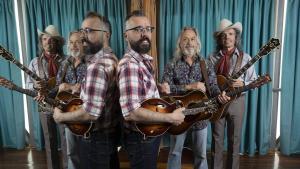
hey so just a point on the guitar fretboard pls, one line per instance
(194, 111)
(31, 93)
(246, 67)
(8, 56)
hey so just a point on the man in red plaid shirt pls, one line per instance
(100, 96)
(136, 84)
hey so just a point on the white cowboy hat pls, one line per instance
(227, 24)
(51, 31)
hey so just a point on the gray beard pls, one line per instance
(189, 51)
(74, 53)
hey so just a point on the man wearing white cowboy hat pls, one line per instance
(46, 66)
(227, 59)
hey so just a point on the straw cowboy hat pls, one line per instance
(227, 24)
(51, 31)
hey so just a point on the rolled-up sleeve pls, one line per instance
(95, 89)
(130, 82)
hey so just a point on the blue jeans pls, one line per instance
(75, 151)
(142, 153)
(199, 139)
(101, 150)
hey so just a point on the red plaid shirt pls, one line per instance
(136, 82)
(101, 73)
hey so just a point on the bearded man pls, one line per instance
(99, 95)
(181, 75)
(136, 84)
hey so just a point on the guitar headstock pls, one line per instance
(6, 54)
(260, 81)
(267, 48)
(6, 83)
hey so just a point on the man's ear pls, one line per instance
(107, 34)
(125, 35)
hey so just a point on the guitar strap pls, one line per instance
(238, 62)
(40, 67)
(65, 68)
(205, 75)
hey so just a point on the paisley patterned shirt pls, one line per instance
(179, 73)
(72, 74)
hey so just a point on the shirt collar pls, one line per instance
(235, 52)
(139, 57)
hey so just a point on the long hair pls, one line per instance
(218, 39)
(178, 52)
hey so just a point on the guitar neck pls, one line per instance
(193, 111)
(238, 91)
(246, 67)
(31, 93)
(26, 70)
(8, 56)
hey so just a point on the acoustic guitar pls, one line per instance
(8, 56)
(195, 111)
(68, 103)
(224, 83)
(236, 92)
(161, 106)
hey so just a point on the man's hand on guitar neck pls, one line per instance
(40, 85)
(236, 83)
(223, 98)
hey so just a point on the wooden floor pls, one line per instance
(32, 159)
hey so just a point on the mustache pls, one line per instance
(143, 39)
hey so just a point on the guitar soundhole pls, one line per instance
(161, 106)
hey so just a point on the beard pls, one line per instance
(92, 48)
(189, 51)
(141, 47)
(74, 53)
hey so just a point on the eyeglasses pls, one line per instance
(140, 29)
(89, 30)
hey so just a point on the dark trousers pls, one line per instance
(51, 142)
(101, 150)
(234, 119)
(142, 153)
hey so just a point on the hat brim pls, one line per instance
(60, 38)
(238, 26)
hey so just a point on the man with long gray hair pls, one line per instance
(184, 73)
(69, 78)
